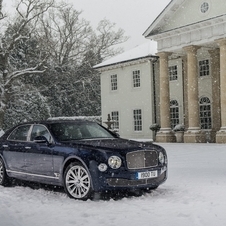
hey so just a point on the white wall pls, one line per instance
(176, 87)
(204, 83)
(126, 98)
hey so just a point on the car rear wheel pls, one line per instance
(77, 181)
(3, 176)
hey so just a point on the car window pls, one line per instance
(96, 131)
(77, 131)
(40, 130)
(20, 133)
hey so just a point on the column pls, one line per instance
(215, 107)
(185, 90)
(193, 135)
(221, 134)
(165, 134)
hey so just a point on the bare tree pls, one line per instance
(105, 40)
(28, 12)
(65, 35)
(69, 37)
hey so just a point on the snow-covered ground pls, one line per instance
(194, 194)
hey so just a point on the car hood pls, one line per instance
(118, 144)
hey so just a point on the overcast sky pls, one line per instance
(133, 16)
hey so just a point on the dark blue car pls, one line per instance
(82, 156)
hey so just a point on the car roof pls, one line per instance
(45, 122)
(48, 122)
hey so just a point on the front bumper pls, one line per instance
(146, 183)
(124, 179)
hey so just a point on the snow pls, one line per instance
(144, 50)
(90, 118)
(194, 194)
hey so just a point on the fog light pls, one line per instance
(102, 167)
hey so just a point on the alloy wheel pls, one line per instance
(77, 182)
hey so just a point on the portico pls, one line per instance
(198, 43)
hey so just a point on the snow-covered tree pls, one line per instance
(47, 53)
(75, 48)
(28, 13)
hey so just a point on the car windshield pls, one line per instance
(65, 131)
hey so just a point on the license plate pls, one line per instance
(147, 174)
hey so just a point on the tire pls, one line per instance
(77, 181)
(4, 179)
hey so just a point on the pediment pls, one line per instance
(183, 13)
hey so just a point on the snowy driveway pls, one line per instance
(193, 195)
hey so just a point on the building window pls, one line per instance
(205, 113)
(114, 82)
(137, 120)
(204, 7)
(136, 78)
(174, 113)
(115, 118)
(204, 68)
(173, 73)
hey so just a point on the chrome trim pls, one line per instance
(142, 167)
(36, 175)
(29, 131)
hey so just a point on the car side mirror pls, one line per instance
(116, 134)
(41, 140)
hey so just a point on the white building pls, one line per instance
(189, 76)
(191, 37)
(127, 92)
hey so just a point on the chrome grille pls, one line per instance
(142, 159)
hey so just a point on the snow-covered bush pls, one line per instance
(179, 127)
(155, 127)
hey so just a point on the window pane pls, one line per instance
(174, 113)
(20, 133)
(205, 113)
(137, 120)
(114, 85)
(204, 69)
(115, 118)
(136, 78)
(173, 73)
(39, 130)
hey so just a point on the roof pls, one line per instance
(164, 16)
(146, 49)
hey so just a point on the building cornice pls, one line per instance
(197, 33)
(127, 63)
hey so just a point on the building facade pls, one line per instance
(191, 45)
(128, 91)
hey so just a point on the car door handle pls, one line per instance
(27, 147)
(5, 146)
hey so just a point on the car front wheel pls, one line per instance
(3, 176)
(77, 181)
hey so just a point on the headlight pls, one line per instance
(161, 158)
(114, 162)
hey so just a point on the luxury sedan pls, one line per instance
(82, 156)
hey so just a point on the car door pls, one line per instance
(38, 159)
(14, 151)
